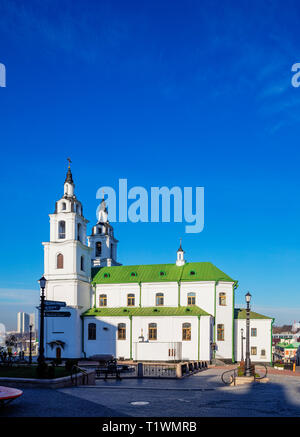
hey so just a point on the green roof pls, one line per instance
(146, 311)
(240, 313)
(201, 271)
(289, 346)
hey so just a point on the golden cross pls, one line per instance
(68, 159)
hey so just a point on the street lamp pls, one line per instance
(242, 344)
(30, 349)
(248, 361)
(41, 357)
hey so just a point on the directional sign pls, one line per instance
(51, 308)
(54, 302)
(57, 314)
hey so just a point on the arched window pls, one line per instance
(220, 332)
(191, 299)
(60, 261)
(92, 331)
(152, 331)
(63, 206)
(82, 263)
(222, 299)
(130, 300)
(79, 231)
(98, 248)
(186, 332)
(159, 299)
(103, 300)
(121, 331)
(62, 229)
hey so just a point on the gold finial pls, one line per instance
(68, 159)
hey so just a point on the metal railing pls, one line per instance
(232, 374)
(265, 374)
(74, 375)
(159, 370)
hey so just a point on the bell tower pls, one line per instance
(67, 258)
(102, 242)
(180, 261)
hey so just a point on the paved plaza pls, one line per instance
(200, 395)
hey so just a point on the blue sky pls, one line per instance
(161, 93)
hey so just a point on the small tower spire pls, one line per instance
(69, 177)
(69, 183)
(180, 256)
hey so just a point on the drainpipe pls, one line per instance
(215, 310)
(271, 361)
(140, 284)
(178, 293)
(82, 336)
(199, 338)
(130, 318)
(94, 288)
(233, 299)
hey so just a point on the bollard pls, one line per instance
(140, 370)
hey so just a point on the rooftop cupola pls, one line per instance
(180, 256)
(102, 213)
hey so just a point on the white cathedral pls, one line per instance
(158, 312)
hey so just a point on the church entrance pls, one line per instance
(58, 352)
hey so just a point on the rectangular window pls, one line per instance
(152, 332)
(130, 300)
(191, 299)
(222, 299)
(102, 300)
(121, 331)
(220, 332)
(254, 351)
(263, 352)
(253, 332)
(186, 332)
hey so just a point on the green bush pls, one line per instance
(42, 370)
(51, 371)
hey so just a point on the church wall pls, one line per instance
(106, 337)
(66, 329)
(169, 331)
(169, 289)
(117, 294)
(204, 294)
(261, 341)
(224, 315)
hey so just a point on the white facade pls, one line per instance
(260, 339)
(197, 317)
(169, 336)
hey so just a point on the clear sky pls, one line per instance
(161, 93)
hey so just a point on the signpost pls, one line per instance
(55, 302)
(57, 314)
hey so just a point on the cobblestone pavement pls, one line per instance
(200, 395)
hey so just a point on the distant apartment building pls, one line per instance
(23, 321)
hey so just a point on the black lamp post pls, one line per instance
(248, 361)
(41, 357)
(242, 344)
(30, 348)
